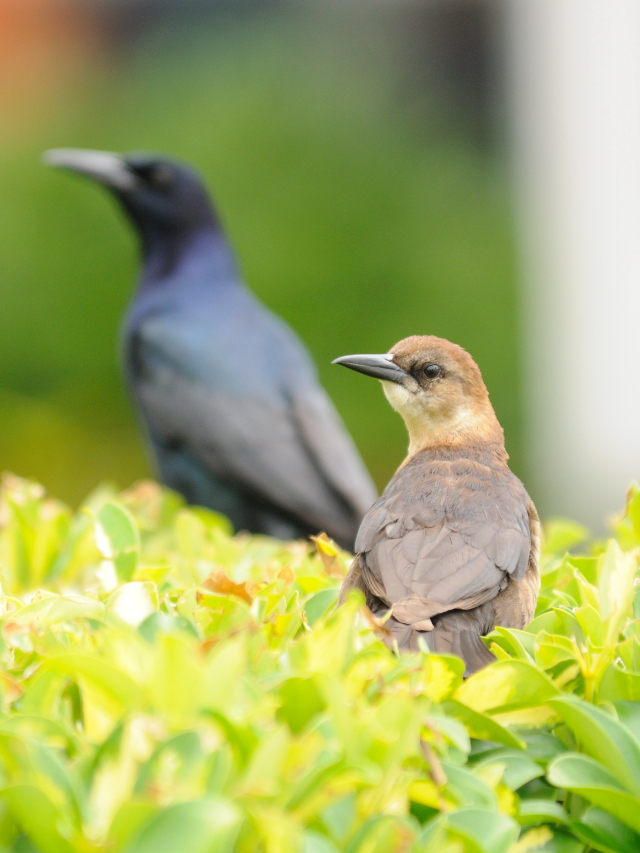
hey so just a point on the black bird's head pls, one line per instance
(437, 388)
(166, 200)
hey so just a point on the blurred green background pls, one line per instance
(351, 164)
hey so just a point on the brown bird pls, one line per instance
(452, 546)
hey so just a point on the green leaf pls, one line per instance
(627, 529)
(443, 674)
(616, 588)
(198, 826)
(618, 685)
(604, 832)
(37, 817)
(592, 624)
(41, 730)
(556, 621)
(263, 776)
(561, 842)
(438, 836)
(542, 745)
(382, 833)
(128, 822)
(177, 689)
(506, 686)
(314, 842)
(226, 667)
(519, 768)
(563, 534)
(588, 567)
(53, 609)
(340, 816)
(452, 730)
(518, 644)
(118, 539)
(301, 701)
(468, 789)
(541, 811)
(591, 780)
(629, 715)
(319, 604)
(491, 831)
(481, 726)
(604, 738)
(105, 678)
(213, 520)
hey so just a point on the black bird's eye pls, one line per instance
(432, 371)
(156, 174)
(162, 176)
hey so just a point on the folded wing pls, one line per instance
(446, 535)
(282, 442)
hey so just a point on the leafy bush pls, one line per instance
(172, 687)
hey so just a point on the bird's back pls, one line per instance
(232, 401)
(451, 548)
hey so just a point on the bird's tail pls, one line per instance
(466, 642)
(455, 633)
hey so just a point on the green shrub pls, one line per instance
(167, 686)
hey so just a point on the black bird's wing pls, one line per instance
(447, 534)
(282, 442)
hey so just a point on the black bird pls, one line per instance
(452, 546)
(230, 396)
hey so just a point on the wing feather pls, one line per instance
(284, 445)
(446, 535)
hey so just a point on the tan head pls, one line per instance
(437, 388)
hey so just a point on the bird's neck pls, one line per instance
(186, 256)
(469, 427)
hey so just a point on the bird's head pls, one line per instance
(162, 197)
(437, 388)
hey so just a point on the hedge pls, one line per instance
(167, 686)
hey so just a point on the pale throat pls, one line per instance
(428, 428)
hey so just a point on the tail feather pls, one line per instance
(464, 642)
(455, 633)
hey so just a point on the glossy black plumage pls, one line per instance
(229, 395)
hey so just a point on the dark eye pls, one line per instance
(156, 174)
(432, 371)
(162, 176)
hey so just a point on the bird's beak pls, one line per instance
(110, 169)
(378, 366)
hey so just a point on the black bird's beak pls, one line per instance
(378, 366)
(104, 166)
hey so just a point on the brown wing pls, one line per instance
(447, 534)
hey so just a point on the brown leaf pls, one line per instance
(10, 688)
(254, 588)
(13, 629)
(218, 581)
(287, 575)
(329, 552)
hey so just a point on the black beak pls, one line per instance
(104, 166)
(378, 366)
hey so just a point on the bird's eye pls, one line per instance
(162, 176)
(155, 174)
(432, 371)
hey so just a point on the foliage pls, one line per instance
(169, 686)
